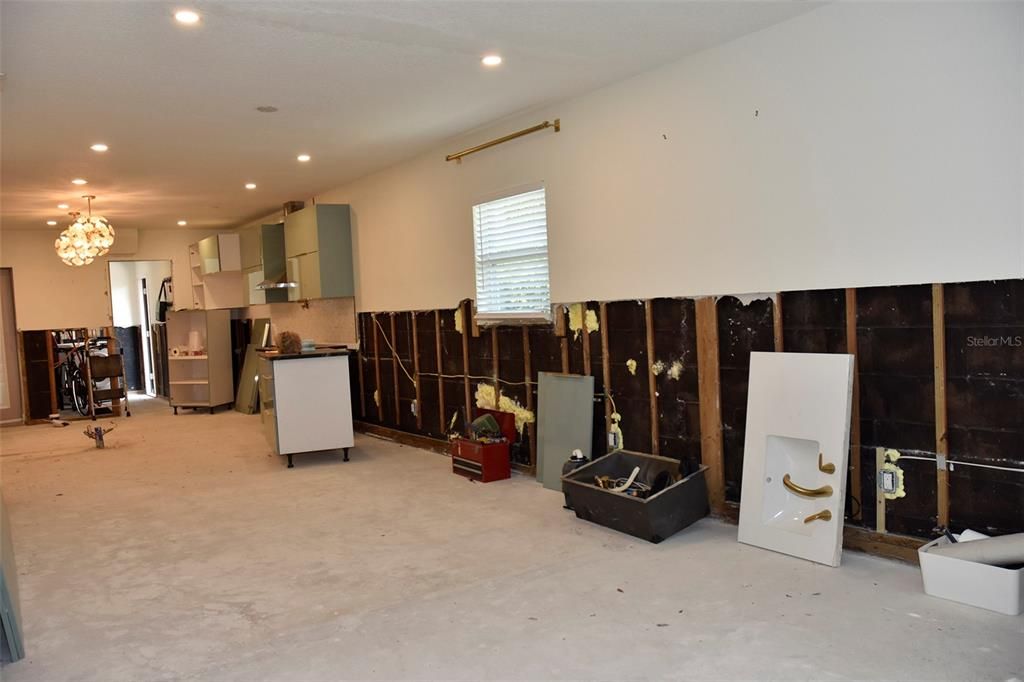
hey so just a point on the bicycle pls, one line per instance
(72, 379)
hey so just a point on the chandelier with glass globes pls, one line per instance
(86, 239)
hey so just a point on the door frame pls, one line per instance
(147, 336)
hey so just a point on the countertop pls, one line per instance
(321, 352)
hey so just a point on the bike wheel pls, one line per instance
(80, 394)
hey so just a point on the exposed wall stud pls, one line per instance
(359, 363)
(777, 321)
(467, 318)
(494, 352)
(376, 368)
(528, 365)
(879, 496)
(606, 372)
(440, 372)
(395, 363)
(851, 348)
(652, 380)
(416, 371)
(586, 340)
(709, 391)
(941, 420)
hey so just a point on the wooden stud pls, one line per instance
(416, 371)
(777, 321)
(53, 366)
(465, 311)
(395, 364)
(471, 319)
(376, 369)
(494, 353)
(586, 342)
(851, 348)
(709, 392)
(558, 316)
(606, 371)
(440, 374)
(359, 363)
(530, 430)
(879, 496)
(941, 420)
(652, 380)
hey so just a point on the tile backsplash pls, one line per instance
(327, 320)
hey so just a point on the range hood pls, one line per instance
(277, 282)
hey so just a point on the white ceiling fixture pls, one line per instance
(250, 185)
(63, 207)
(51, 222)
(79, 181)
(303, 157)
(182, 223)
(186, 16)
(491, 60)
(99, 147)
(411, 80)
(86, 239)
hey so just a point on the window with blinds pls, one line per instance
(511, 243)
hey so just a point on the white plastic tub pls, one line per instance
(989, 587)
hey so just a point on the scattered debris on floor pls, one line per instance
(97, 433)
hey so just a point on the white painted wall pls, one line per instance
(51, 295)
(125, 287)
(859, 144)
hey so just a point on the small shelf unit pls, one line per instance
(200, 381)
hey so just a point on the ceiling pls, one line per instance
(358, 85)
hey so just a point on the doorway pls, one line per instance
(137, 289)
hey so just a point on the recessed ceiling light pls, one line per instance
(183, 222)
(491, 60)
(186, 16)
(303, 157)
(99, 147)
(79, 181)
(51, 222)
(250, 185)
(63, 206)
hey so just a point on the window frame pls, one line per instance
(519, 317)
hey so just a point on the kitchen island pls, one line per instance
(305, 401)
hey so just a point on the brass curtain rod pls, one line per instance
(457, 156)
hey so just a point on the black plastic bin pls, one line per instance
(653, 519)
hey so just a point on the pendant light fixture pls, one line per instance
(86, 239)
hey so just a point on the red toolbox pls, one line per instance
(485, 462)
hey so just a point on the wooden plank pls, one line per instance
(359, 362)
(606, 371)
(941, 419)
(23, 367)
(652, 383)
(586, 342)
(376, 369)
(528, 373)
(558, 316)
(395, 365)
(471, 320)
(404, 437)
(709, 395)
(879, 497)
(777, 321)
(494, 353)
(54, 409)
(465, 311)
(851, 348)
(440, 374)
(416, 371)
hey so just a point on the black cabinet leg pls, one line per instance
(345, 457)
(290, 465)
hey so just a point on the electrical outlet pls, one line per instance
(887, 481)
(413, 407)
(611, 440)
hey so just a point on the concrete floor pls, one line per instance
(186, 552)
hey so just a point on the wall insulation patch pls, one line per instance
(485, 398)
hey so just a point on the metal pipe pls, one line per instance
(457, 156)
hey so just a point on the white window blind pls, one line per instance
(511, 240)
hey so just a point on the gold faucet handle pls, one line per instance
(829, 468)
(824, 515)
(823, 491)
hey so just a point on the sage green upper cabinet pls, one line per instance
(249, 240)
(318, 247)
(220, 253)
